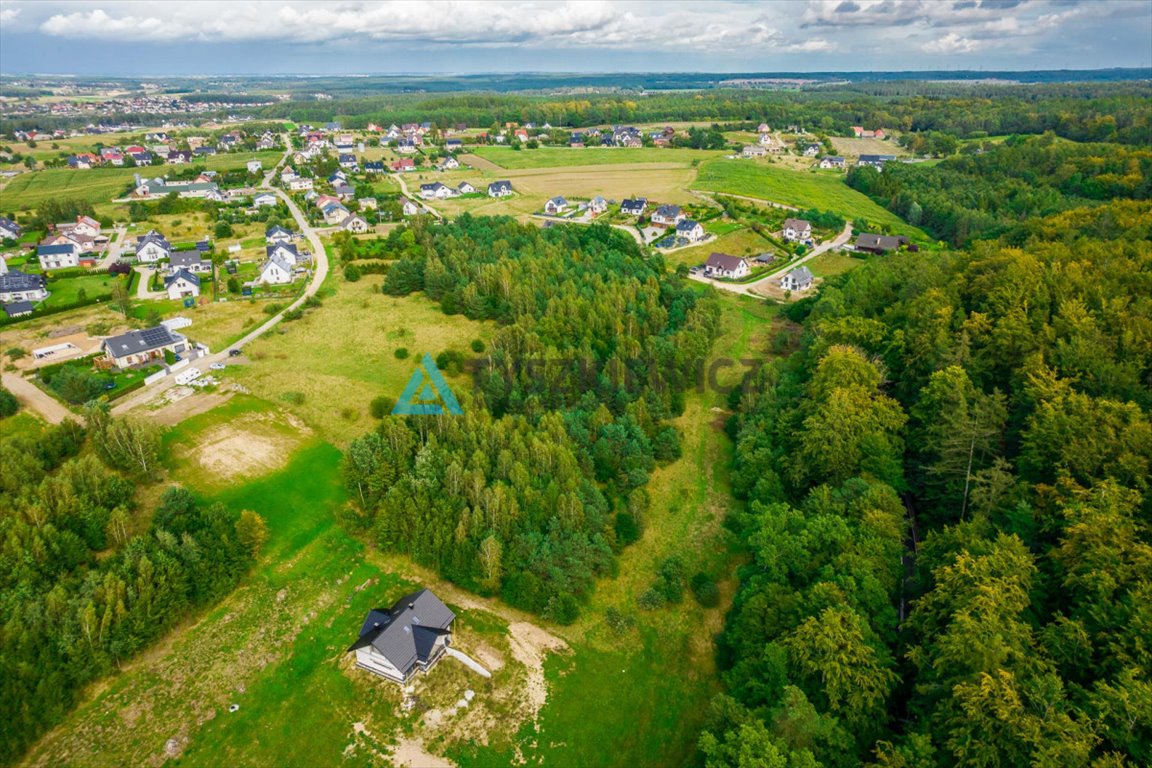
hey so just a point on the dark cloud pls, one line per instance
(847, 7)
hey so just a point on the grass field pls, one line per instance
(833, 263)
(99, 185)
(799, 188)
(67, 290)
(348, 347)
(556, 157)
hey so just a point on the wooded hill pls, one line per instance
(948, 512)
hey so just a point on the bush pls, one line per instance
(293, 314)
(670, 583)
(15, 353)
(352, 273)
(562, 608)
(8, 403)
(401, 353)
(295, 398)
(381, 406)
(618, 621)
(272, 308)
(651, 600)
(705, 591)
(233, 285)
(477, 346)
(450, 362)
(223, 229)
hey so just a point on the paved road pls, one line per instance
(319, 272)
(31, 397)
(749, 288)
(143, 293)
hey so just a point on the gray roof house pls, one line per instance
(799, 279)
(499, 188)
(407, 638)
(873, 243)
(143, 346)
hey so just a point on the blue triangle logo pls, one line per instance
(427, 394)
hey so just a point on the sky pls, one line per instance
(267, 37)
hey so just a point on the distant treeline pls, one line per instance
(1114, 112)
(1005, 188)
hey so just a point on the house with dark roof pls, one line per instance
(356, 224)
(692, 231)
(61, 256)
(374, 166)
(19, 308)
(668, 216)
(634, 207)
(192, 261)
(19, 286)
(876, 161)
(277, 234)
(501, 188)
(286, 252)
(139, 347)
(182, 284)
(410, 637)
(10, 230)
(799, 279)
(555, 206)
(436, 191)
(724, 265)
(878, 244)
(152, 247)
(831, 161)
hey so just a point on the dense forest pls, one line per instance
(86, 579)
(947, 512)
(534, 489)
(1009, 188)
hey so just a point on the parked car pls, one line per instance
(219, 366)
(234, 353)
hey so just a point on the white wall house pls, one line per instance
(275, 272)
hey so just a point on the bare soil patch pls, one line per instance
(249, 446)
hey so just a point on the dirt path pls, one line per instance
(32, 398)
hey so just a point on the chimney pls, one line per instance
(412, 605)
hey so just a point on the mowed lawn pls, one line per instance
(803, 189)
(555, 157)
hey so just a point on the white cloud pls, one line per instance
(950, 43)
(813, 45)
(538, 23)
(8, 15)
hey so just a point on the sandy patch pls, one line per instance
(529, 645)
(410, 752)
(251, 445)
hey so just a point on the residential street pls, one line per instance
(415, 198)
(750, 288)
(319, 272)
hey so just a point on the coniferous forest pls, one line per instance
(531, 492)
(947, 507)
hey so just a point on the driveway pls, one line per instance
(320, 262)
(34, 399)
(142, 291)
(404, 188)
(750, 288)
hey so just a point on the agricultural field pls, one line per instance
(800, 189)
(853, 148)
(98, 185)
(556, 157)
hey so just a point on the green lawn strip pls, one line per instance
(799, 188)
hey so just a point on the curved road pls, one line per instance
(319, 272)
(748, 288)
